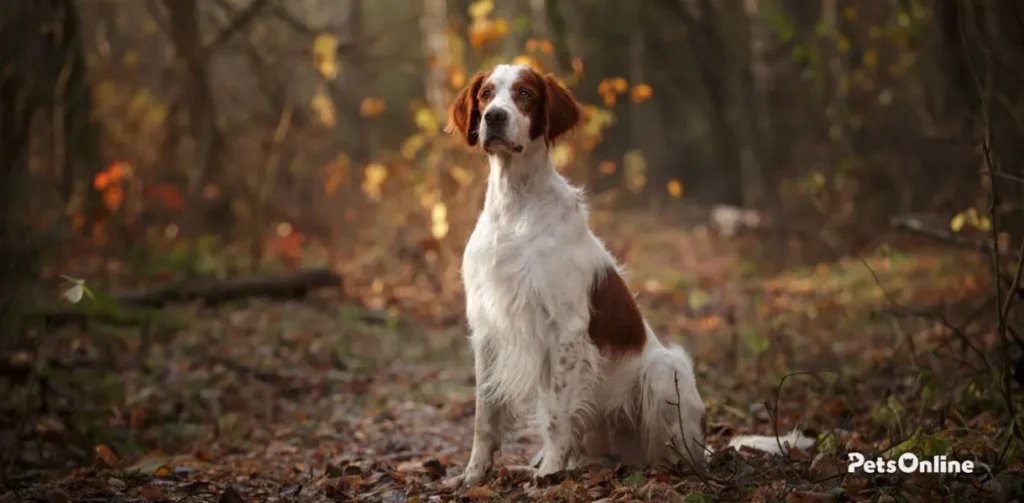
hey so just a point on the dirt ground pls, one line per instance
(321, 400)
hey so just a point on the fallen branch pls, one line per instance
(216, 292)
(917, 226)
(142, 308)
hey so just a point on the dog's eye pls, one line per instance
(525, 93)
(485, 94)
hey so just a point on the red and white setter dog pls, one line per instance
(557, 337)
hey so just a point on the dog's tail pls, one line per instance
(671, 407)
(671, 412)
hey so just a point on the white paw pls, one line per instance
(547, 469)
(473, 475)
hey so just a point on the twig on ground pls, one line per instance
(985, 94)
(682, 435)
(905, 310)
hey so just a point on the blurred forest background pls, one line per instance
(146, 143)
(211, 137)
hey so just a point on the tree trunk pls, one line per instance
(43, 69)
(559, 34)
(434, 25)
(759, 97)
(354, 80)
(197, 113)
(518, 16)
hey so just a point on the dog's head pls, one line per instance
(513, 108)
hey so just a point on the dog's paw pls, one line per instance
(517, 471)
(454, 483)
(473, 475)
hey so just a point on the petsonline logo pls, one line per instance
(907, 463)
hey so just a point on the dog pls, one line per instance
(558, 340)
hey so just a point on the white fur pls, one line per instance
(527, 270)
(773, 445)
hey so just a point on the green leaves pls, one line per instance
(921, 445)
(699, 498)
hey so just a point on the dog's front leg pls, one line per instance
(564, 401)
(487, 423)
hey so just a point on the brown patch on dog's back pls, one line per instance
(616, 325)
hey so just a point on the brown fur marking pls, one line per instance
(464, 112)
(616, 325)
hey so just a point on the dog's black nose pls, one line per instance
(496, 117)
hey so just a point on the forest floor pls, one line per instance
(312, 400)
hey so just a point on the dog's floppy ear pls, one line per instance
(561, 111)
(464, 113)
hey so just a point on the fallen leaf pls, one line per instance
(231, 495)
(151, 493)
(204, 453)
(105, 456)
(351, 481)
(478, 492)
(810, 497)
(116, 484)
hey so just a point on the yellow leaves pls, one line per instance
(412, 146)
(607, 168)
(577, 67)
(640, 93)
(439, 220)
(675, 188)
(458, 78)
(480, 9)
(430, 199)
(426, 121)
(971, 218)
(596, 120)
(610, 88)
(323, 107)
(325, 59)
(371, 107)
(617, 85)
(903, 19)
(485, 31)
(131, 59)
(871, 59)
(539, 45)
(456, 45)
(529, 61)
(461, 175)
(428, 196)
(337, 174)
(843, 44)
(634, 167)
(561, 155)
(105, 92)
(373, 178)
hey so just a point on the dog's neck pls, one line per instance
(517, 177)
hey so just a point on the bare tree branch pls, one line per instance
(241, 20)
